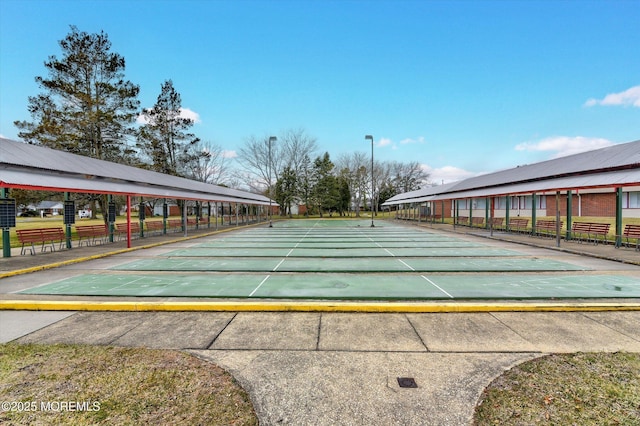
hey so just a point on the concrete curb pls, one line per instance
(292, 306)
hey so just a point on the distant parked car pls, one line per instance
(28, 213)
(84, 214)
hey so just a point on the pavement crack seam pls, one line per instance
(608, 326)
(220, 332)
(417, 334)
(513, 330)
(319, 331)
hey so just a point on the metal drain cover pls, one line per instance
(407, 382)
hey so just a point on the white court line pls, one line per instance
(405, 264)
(291, 251)
(259, 285)
(436, 286)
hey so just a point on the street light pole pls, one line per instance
(271, 139)
(369, 137)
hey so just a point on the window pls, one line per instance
(631, 201)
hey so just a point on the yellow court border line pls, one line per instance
(292, 306)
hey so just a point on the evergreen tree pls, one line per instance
(164, 137)
(325, 191)
(87, 106)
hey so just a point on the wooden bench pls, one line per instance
(175, 224)
(42, 236)
(91, 234)
(589, 231)
(546, 227)
(518, 224)
(496, 222)
(462, 220)
(477, 221)
(191, 222)
(121, 230)
(631, 232)
(155, 226)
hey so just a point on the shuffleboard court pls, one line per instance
(347, 259)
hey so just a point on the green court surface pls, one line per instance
(339, 264)
(345, 259)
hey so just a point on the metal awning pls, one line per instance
(35, 167)
(591, 181)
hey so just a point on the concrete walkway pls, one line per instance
(328, 368)
(342, 368)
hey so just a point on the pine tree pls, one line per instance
(87, 107)
(164, 137)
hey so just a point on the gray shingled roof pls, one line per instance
(617, 165)
(620, 156)
(37, 166)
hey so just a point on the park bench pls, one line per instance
(462, 220)
(546, 227)
(496, 222)
(477, 221)
(155, 227)
(91, 234)
(121, 230)
(191, 222)
(631, 232)
(175, 224)
(589, 231)
(517, 224)
(43, 236)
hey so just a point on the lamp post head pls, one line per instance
(272, 139)
(368, 137)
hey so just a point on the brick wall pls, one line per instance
(602, 205)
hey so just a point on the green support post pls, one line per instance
(112, 225)
(67, 226)
(533, 214)
(486, 212)
(507, 203)
(470, 219)
(6, 236)
(618, 216)
(568, 235)
(165, 216)
(141, 216)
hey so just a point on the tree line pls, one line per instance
(88, 107)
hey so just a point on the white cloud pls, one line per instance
(419, 139)
(384, 142)
(192, 115)
(448, 174)
(630, 96)
(564, 145)
(184, 113)
(229, 154)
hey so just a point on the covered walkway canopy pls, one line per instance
(33, 167)
(611, 168)
(614, 166)
(38, 168)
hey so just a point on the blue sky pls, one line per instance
(463, 87)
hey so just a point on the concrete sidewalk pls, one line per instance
(342, 368)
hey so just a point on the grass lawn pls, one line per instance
(143, 386)
(116, 386)
(585, 389)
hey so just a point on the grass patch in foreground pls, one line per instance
(87, 385)
(565, 389)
